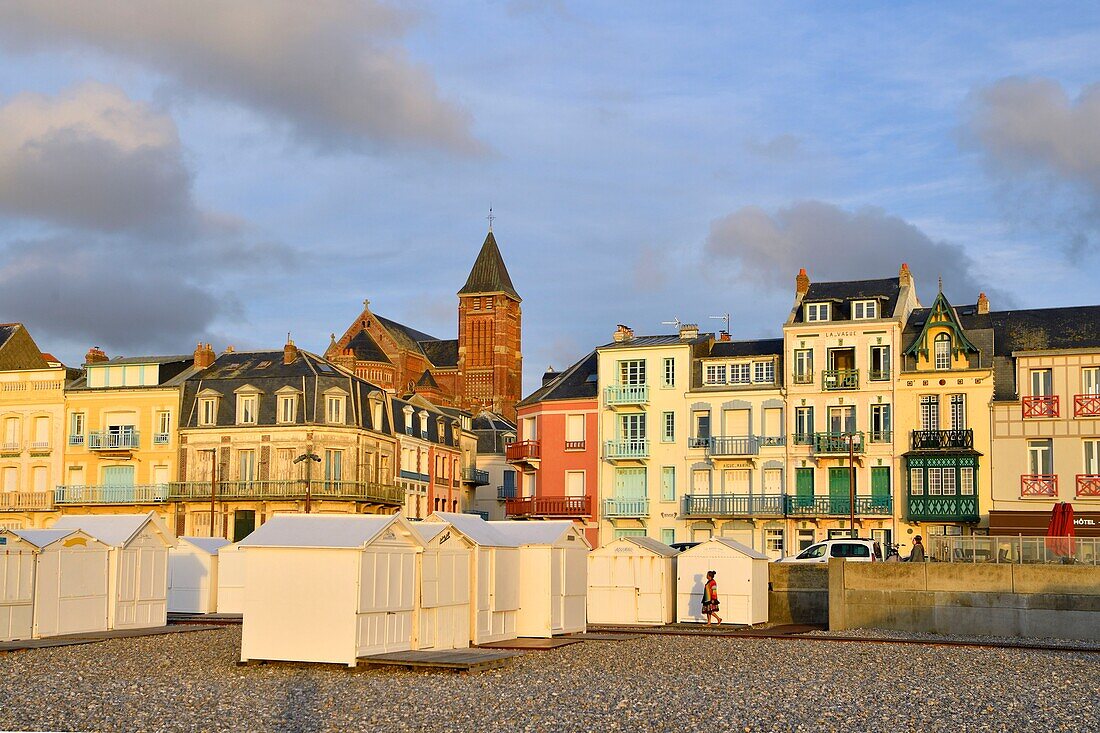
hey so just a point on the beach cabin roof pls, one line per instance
(326, 531)
(648, 543)
(209, 545)
(539, 533)
(733, 545)
(43, 538)
(428, 531)
(115, 529)
(475, 528)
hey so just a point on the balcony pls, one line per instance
(139, 494)
(881, 436)
(772, 441)
(733, 446)
(26, 501)
(76, 439)
(833, 380)
(1038, 485)
(837, 443)
(11, 446)
(107, 440)
(574, 445)
(549, 506)
(626, 394)
(878, 375)
(1041, 406)
(941, 440)
(289, 490)
(699, 442)
(803, 378)
(475, 476)
(1086, 405)
(839, 506)
(506, 492)
(1088, 486)
(523, 451)
(40, 446)
(734, 505)
(161, 438)
(626, 450)
(626, 508)
(925, 508)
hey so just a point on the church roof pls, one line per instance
(489, 275)
(427, 381)
(442, 352)
(365, 348)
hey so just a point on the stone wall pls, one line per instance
(1061, 601)
(798, 593)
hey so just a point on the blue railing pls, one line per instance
(626, 507)
(507, 492)
(728, 505)
(141, 494)
(107, 440)
(626, 394)
(626, 449)
(818, 506)
(742, 445)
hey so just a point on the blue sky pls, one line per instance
(192, 176)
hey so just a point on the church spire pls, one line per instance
(489, 275)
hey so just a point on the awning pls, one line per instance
(1034, 524)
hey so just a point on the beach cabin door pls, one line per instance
(142, 583)
(386, 588)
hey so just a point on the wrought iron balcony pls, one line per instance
(107, 494)
(941, 440)
(925, 508)
(824, 506)
(833, 380)
(827, 443)
(107, 440)
(522, 451)
(290, 490)
(626, 394)
(1040, 406)
(76, 439)
(1038, 484)
(507, 492)
(161, 438)
(549, 506)
(475, 476)
(1088, 486)
(730, 446)
(878, 375)
(637, 508)
(10, 446)
(803, 378)
(24, 501)
(733, 505)
(772, 441)
(1086, 405)
(699, 442)
(620, 450)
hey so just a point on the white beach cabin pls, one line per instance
(230, 579)
(443, 603)
(329, 588)
(742, 576)
(193, 575)
(494, 577)
(52, 582)
(632, 581)
(137, 564)
(553, 572)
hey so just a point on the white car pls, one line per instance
(856, 550)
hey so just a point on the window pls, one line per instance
(632, 427)
(669, 376)
(408, 413)
(668, 432)
(864, 309)
(803, 425)
(11, 478)
(1090, 381)
(773, 480)
(935, 488)
(916, 481)
(288, 408)
(574, 432)
(41, 428)
(632, 371)
(668, 483)
(842, 419)
(488, 302)
(701, 419)
(942, 350)
(966, 481)
(620, 533)
(715, 374)
(947, 478)
(574, 483)
(930, 412)
(246, 459)
(773, 541)
(12, 433)
(208, 411)
(164, 422)
(668, 536)
(1092, 457)
(880, 363)
(804, 366)
(334, 465)
(334, 409)
(763, 372)
(817, 312)
(246, 409)
(880, 424)
(1041, 383)
(958, 411)
(1039, 457)
(740, 373)
(76, 428)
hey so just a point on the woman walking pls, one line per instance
(710, 598)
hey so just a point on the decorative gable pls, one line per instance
(941, 315)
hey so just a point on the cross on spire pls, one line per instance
(490, 217)
(941, 283)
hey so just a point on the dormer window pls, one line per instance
(334, 409)
(408, 412)
(864, 309)
(423, 424)
(208, 411)
(246, 409)
(288, 408)
(942, 351)
(817, 312)
(715, 374)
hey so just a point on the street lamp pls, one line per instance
(310, 458)
(213, 482)
(850, 437)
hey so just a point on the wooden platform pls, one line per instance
(598, 636)
(462, 660)
(531, 644)
(217, 619)
(97, 636)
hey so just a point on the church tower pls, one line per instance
(490, 363)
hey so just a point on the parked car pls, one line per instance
(854, 549)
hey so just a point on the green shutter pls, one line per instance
(880, 485)
(838, 491)
(630, 483)
(668, 483)
(804, 486)
(629, 533)
(668, 536)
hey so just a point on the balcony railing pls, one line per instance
(734, 505)
(772, 441)
(616, 450)
(40, 445)
(941, 440)
(549, 506)
(76, 439)
(1086, 405)
(926, 508)
(626, 394)
(21, 501)
(1040, 406)
(626, 507)
(161, 438)
(475, 476)
(802, 438)
(881, 436)
(838, 379)
(294, 489)
(106, 494)
(1038, 484)
(838, 442)
(106, 440)
(878, 375)
(10, 446)
(574, 445)
(1088, 486)
(811, 506)
(522, 450)
(506, 492)
(698, 442)
(739, 445)
(803, 378)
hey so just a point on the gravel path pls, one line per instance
(188, 682)
(949, 638)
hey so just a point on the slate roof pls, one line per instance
(405, 335)
(7, 330)
(366, 349)
(571, 384)
(490, 429)
(174, 371)
(841, 293)
(978, 328)
(489, 275)
(1042, 329)
(759, 347)
(441, 352)
(661, 340)
(441, 425)
(427, 380)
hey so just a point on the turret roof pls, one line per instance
(489, 275)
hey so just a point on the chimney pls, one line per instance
(623, 333)
(905, 278)
(290, 351)
(983, 304)
(689, 331)
(548, 375)
(723, 335)
(95, 355)
(802, 282)
(204, 356)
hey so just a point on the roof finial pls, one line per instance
(490, 217)
(941, 284)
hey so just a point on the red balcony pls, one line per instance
(1038, 484)
(523, 451)
(549, 506)
(1086, 405)
(1042, 406)
(1088, 486)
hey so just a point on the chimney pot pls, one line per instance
(905, 277)
(689, 331)
(95, 355)
(723, 335)
(623, 333)
(802, 282)
(290, 351)
(983, 304)
(204, 356)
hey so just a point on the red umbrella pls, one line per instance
(1067, 529)
(1054, 530)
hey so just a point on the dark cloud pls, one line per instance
(835, 244)
(330, 69)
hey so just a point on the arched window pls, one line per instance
(943, 351)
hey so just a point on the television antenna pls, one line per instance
(724, 317)
(674, 322)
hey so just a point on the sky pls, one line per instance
(195, 170)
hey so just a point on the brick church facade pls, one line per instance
(481, 369)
